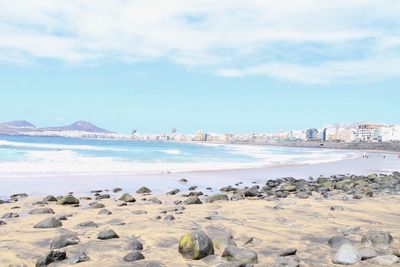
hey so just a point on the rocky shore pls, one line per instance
(328, 221)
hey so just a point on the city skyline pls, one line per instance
(226, 67)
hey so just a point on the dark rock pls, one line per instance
(288, 252)
(117, 189)
(2, 222)
(173, 192)
(155, 200)
(337, 208)
(192, 200)
(19, 195)
(367, 253)
(192, 188)
(107, 234)
(51, 222)
(79, 257)
(195, 245)
(134, 244)
(139, 212)
(68, 200)
(217, 197)
(127, 198)
(236, 197)
(96, 205)
(64, 241)
(134, 256)
(303, 195)
(183, 180)
(103, 196)
(87, 224)
(242, 256)
(169, 218)
(105, 212)
(143, 190)
(10, 215)
(50, 257)
(229, 189)
(50, 198)
(42, 211)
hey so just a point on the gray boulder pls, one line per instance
(133, 244)
(96, 205)
(377, 239)
(384, 260)
(87, 224)
(2, 222)
(51, 222)
(64, 241)
(79, 257)
(105, 212)
(217, 197)
(10, 215)
(50, 198)
(195, 245)
(50, 257)
(42, 211)
(346, 255)
(107, 234)
(192, 200)
(133, 256)
(68, 200)
(143, 190)
(127, 198)
(336, 242)
(242, 256)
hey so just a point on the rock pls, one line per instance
(117, 189)
(173, 192)
(86, 224)
(377, 239)
(367, 253)
(105, 212)
(64, 241)
(169, 218)
(183, 180)
(107, 234)
(337, 208)
(134, 244)
(50, 198)
(242, 256)
(143, 190)
(39, 203)
(195, 245)
(214, 218)
(96, 205)
(139, 212)
(2, 222)
(50, 257)
(303, 195)
(127, 198)
(384, 260)
(346, 255)
(288, 187)
(19, 195)
(217, 197)
(236, 197)
(42, 211)
(155, 200)
(68, 200)
(133, 256)
(51, 222)
(192, 200)
(79, 257)
(9, 215)
(192, 188)
(336, 242)
(289, 261)
(103, 196)
(288, 252)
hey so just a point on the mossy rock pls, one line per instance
(68, 200)
(196, 245)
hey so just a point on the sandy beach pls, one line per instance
(262, 223)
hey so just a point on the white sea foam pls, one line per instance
(57, 146)
(171, 151)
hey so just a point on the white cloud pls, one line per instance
(314, 41)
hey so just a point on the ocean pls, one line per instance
(52, 156)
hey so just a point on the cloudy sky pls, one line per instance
(215, 65)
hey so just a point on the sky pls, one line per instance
(217, 66)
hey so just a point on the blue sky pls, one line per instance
(247, 66)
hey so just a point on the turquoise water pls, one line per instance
(26, 155)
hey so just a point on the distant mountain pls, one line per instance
(20, 127)
(82, 126)
(19, 124)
